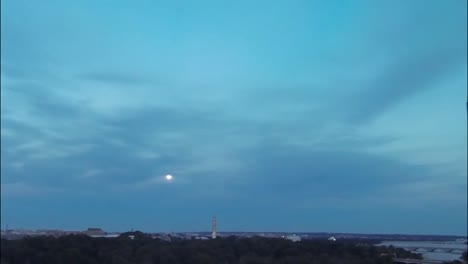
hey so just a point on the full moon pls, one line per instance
(168, 177)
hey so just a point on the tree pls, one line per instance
(145, 250)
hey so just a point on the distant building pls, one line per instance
(164, 237)
(94, 232)
(68, 232)
(111, 235)
(293, 238)
(213, 228)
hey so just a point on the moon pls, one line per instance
(168, 177)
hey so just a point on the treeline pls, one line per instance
(81, 249)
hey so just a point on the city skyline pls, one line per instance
(306, 116)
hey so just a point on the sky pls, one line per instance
(295, 116)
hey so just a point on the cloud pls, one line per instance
(153, 180)
(117, 142)
(198, 144)
(49, 150)
(90, 173)
(410, 195)
(241, 123)
(6, 132)
(407, 76)
(118, 78)
(23, 189)
(294, 174)
(147, 154)
(9, 72)
(17, 165)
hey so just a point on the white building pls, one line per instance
(293, 238)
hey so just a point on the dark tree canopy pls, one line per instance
(81, 249)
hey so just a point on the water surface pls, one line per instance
(431, 255)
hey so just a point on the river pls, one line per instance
(431, 255)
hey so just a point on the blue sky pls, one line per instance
(339, 116)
